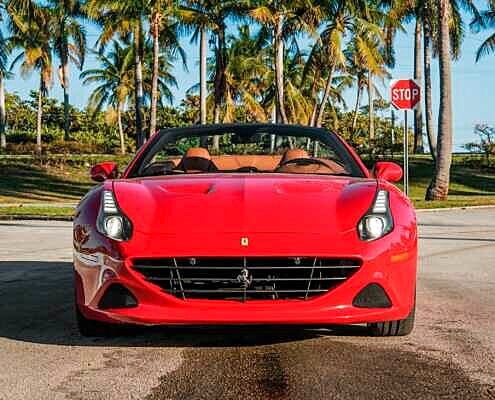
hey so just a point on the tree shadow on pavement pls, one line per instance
(23, 182)
(38, 306)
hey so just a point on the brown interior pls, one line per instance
(264, 163)
(199, 160)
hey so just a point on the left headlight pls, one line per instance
(111, 220)
(378, 220)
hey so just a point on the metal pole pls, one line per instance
(393, 133)
(393, 128)
(406, 156)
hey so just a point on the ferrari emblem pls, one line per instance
(244, 242)
(244, 278)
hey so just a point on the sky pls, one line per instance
(473, 84)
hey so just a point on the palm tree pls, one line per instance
(406, 10)
(439, 186)
(342, 17)
(114, 77)
(69, 43)
(3, 75)
(36, 55)
(212, 16)
(367, 44)
(284, 20)
(193, 15)
(449, 23)
(426, 12)
(360, 75)
(249, 76)
(427, 19)
(486, 19)
(124, 18)
(164, 27)
(167, 56)
(418, 112)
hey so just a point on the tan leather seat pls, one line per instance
(293, 168)
(293, 154)
(197, 159)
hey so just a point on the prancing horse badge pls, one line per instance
(244, 242)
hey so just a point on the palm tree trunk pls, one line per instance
(418, 112)
(39, 116)
(155, 30)
(279, 72)
(202, 76)
(432, 141)
(371, 109)
(314, 97)
(65, 81)
(66, 103)
(3, 138)
(138, 67)
(220, 82)
(439, 187)
(356, 107)
(326, 95)
(121, 129)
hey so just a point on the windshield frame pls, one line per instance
(163, 136)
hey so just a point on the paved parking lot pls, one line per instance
(450, 355)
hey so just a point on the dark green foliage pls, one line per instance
(90, 132)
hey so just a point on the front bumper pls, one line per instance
(394, 271)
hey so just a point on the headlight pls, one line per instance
(378, 221)
(111, 221)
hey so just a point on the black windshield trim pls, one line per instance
(170, 135)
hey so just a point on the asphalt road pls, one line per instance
(450, 355)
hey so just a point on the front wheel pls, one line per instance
(393, 328)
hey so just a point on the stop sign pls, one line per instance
(405, 94)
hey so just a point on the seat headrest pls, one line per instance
(293, 154)
(199, 152)
(197, 159)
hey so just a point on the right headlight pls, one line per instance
(378, 220)
(111, 220)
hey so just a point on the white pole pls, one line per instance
(406, 156)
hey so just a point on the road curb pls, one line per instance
(34, 218)
(44, 205)
(467, 208)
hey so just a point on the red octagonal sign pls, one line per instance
(405, 94)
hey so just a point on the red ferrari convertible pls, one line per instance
(246, 224)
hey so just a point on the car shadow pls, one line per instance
(37, 307)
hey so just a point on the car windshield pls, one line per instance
(245, 150)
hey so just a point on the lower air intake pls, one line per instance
(372, 296)
(117, 296)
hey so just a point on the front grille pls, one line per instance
(246, 278)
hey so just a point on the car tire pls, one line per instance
(91, 328)
(393, 328)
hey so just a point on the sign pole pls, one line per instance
(405, 94)
(406, 156)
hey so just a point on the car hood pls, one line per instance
(244, 203)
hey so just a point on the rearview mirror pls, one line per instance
(103, 171)
(388, 171)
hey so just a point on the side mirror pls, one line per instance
(103, 171)
(388, 171)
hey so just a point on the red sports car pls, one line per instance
(246, 224)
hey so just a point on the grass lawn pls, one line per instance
(34, 211)
(468, 186)
(24, 182)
